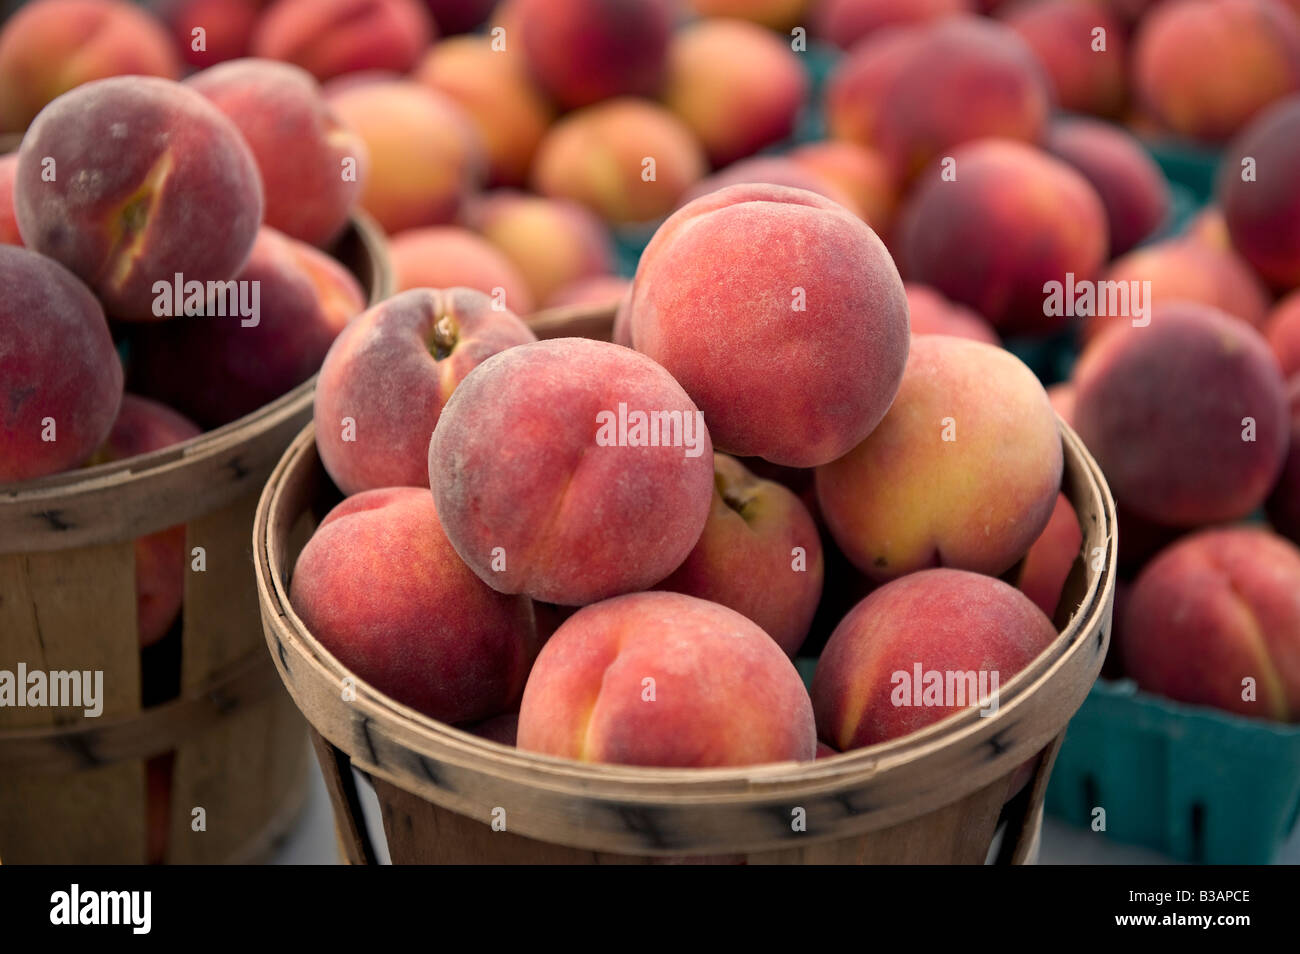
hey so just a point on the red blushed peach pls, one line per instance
(584, 51)
(459, 16)
(493, 88)
(231, 360)
(60, 380)
(52, 46)
(824, 751)
(1283, 333)
(312, 167)
(552, 242)
(151, 181)
(329, 38)
(1013, 220)
(425, 155)
(8, 224)
(227, 27)
(776, 171)
(1204, 68)
(737, 86)
(932, 314)
(448, 257)
(858, 172)
(423, 629)
(1215, 620)
(1062, 397)
(629, 160)
(1086, 76)
(1187, 417)
(753, 278)
(759, 554)
(846, 22)
(1128, 181)
(920, 649)
(780, 15)
(668, 680)
(571, 470)
(1261, 205)
(143, 426)
(622, 331)
(389, 374)
(1047, 565)
(598, 290)
(962, 472)
(1283, 503)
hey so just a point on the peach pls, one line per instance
(596, 290)
(1214, 620)
(621, 333)
(1209, 227)
(312, 167)
(1130, 184)
(1062, 397)
(846, 22)
(1262, 205)
(571, 470)
(151, 180)
(553, 242)
(1283, 504)
(425, 155)
(669, 680)
(780, 15)
(1012, 220)
(629, 160)
(8, 224)
(759, 554)
(824, 751)
(423, 629)
(389, 374)
(227, 28)
(1086, 77)
(232, 357)
(773, 170)
(754, 278)
(51, 46)
(932, 314)
(916, 93)
(962, 472)
(1204, 68)
(736, 85)
(584, 51)
(1187, 417)
(1283, 333)
(60, 379)
(494, 90)
(459, 16)
(329, 38)
(860, 173)
(1047, 565)
(447, 256)
(922, 648)
(502, 729)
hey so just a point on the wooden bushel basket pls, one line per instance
(73, 789)
(936, 795)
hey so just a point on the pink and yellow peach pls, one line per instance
(1086, 77)
(331, 38)
(932, 314)
(858, 172)
(847, 22)
(448, 256)
(779, 15)
(1283, 332)
(227, 28)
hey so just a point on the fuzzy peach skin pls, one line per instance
(1129, 183)
(426, 157)
(932, 314)
(1047, 565)
(847, 22)
(597, 290)
(738, 86)
(1205, 68)
(8, 224)
(51, 46)
(448, 256)
(721, 692)
(1013, 220)
(1217, 608)
(1283, 504)
(553, 242)
(584, 51)
(1084, 79)
(215, 368)
(1164, 410)
(494, 89)
(776, 171)
(1283, 333)
(1263, 216)
(312, 166)
(962, 472)
(391, 372)
(949, 621)
(781, 15)
(759, 554)
(598, 156)
(918, 92)
(541, 496)
(151, 180)
(227, 28)
(755, 278)
(860, 173)
(329, 38)
(144, 426)
(424, 629)
(58, 368)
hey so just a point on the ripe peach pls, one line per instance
(669, 680)
(1086, 77)
(571, 470)
(846, 22)
(329, 38)
(1062, 397)
(777, 171)
(1283, 504)
(1047, 565)
(757, 277)
(388, 376)
(448, 256)
(932, 314)
(962, 634)
(8, 224)
(780, 15)
(423, 628)
(1283, 332)
(962, 472)
(227, 28)
(860, 173)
